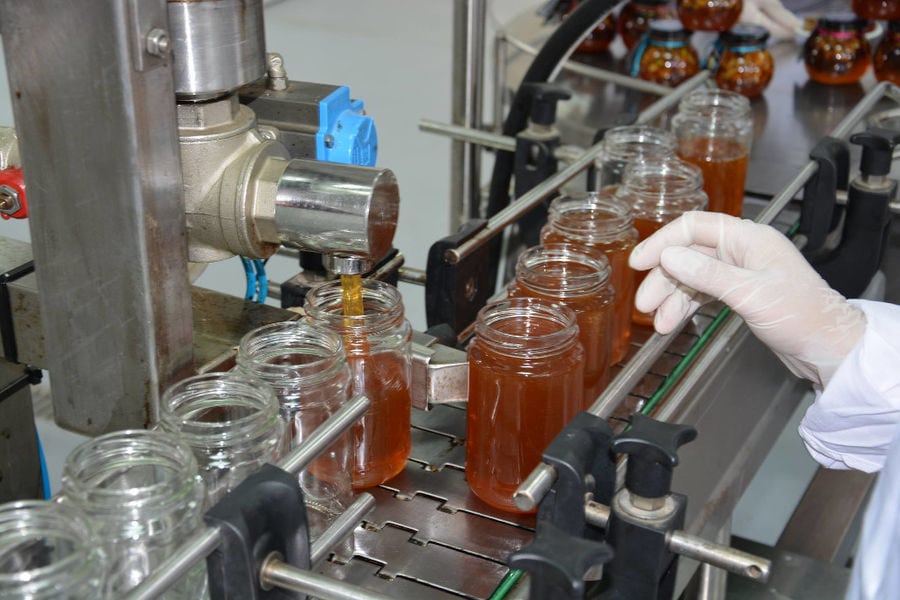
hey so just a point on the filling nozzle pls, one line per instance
(347, 264)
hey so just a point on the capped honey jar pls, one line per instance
(837, 51)
(665, 56)
(709, 15)
(636, 15)
(742, 62)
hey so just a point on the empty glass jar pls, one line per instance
(142, 491)
(598, 222)
(49, 551)
(378, 346)
(837, 51)
(304, 363)
(525, 383)
(627, 144)
(575, 278)
(714, 130)
(231, 423)
(659, 191)
(667, 57)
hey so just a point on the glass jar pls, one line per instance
(665, 56)
(143, 493)
(571, 276)
(526, 373)
(636, 15)
(714, 130)
(378, 345)
(659, 191)
(231, 423)
(304, 364)
(837, 51)
(709, 15)
(886, 60)
(743, 64)
(626, 144)
(49, 551)
(877, 10)
(596, 221)
(599, 39)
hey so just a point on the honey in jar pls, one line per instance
(598, 222)
(659, 191)
(526, 374)
(837, 52)
(667, 58)
(600, 37)
(378, 345)
(709, 15)
(886, 60)
(743, 64)
(635, 17)
(714, 130)
(877, 10)
(573, 277)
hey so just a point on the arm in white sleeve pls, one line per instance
(853, 420)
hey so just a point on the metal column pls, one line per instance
(95, 115)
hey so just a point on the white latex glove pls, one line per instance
(759, 273)
(771, 14)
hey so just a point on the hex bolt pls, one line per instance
(278, 80)
(158, 42)
(9, 200)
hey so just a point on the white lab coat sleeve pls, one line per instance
(854, 419)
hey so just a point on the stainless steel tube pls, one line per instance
(195, 549)
(713, 581)
(458, 132)
(467, 84)
(413, 275)
(216, 47)
(335, 208)
(325, 435)
(671, 100)
(341, 528)
(277, 573)
(500, 64)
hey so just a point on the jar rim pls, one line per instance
(541, 268)
(629, 142)
(320, 347)
(184, 403)
(716, 103)
(383, 307)
(572, 216)
(40, 519)
(524, 313)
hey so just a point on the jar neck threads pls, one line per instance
(715, 106)
(526, 328)
(592, 217)
(663, 187)
(562, 270)
(382, 304)
(637, 142)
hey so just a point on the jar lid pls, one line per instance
(844, 21)
(668, 30)
(744, 34)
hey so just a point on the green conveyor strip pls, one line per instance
(506, 584)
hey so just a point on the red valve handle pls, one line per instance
(13, 203)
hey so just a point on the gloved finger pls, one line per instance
(693, 228)
(777, 31)
(676, 307)
(706, 274)
(653, 291)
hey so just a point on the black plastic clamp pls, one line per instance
(819, 214)
(264, 514)
(7, 327)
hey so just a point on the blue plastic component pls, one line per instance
(345, 135)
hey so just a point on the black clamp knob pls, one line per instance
(652, 449)
(544, 97)
(558, 562)
(877, 150)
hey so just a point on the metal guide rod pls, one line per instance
(567, 153)
(204, 542)
(692, 546)
(539, 482)
(626, 81)
(520, 206)
(277, 573)
(342, 526)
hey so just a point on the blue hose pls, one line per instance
(45, 476)
(262, 281)
(251, 278)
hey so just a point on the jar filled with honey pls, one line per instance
(635, 17)
(598, 222)
(630, 143)
(600, 37)
(526, 377)
(572, 276)
(659, 191)
(877, 10)
(665, 55)
(714, 130)
(837, 51)
(378, 344)
(709, 15)
(886, 60)
(743, 64)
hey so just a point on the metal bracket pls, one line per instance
(7, 327)
(148, 29)
(440, 374)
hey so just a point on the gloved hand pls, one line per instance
(759, 273)
(771, 14)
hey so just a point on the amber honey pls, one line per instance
(724, 167)
(525, 383)
(668, 58)
(886, 60)
(745, 65)
(837, 53)
(566, 274)
(709, 15)
(598, 222)
(636, 15)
